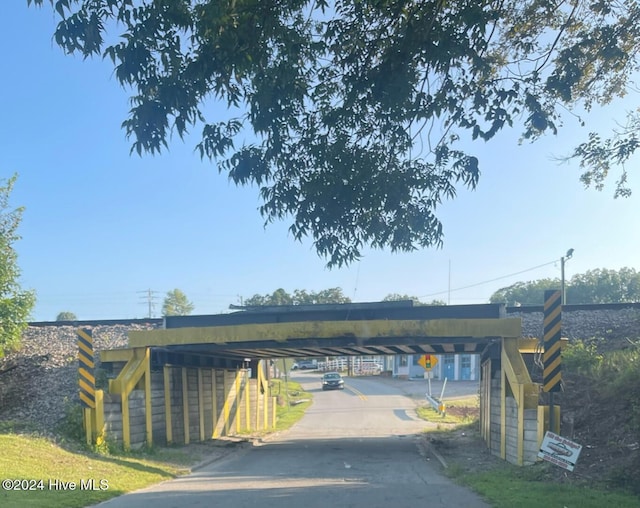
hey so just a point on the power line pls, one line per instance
(491, 280)
(150, 300)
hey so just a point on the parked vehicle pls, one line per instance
(305, 364)
(332, 381)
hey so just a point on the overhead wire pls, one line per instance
(490, 280)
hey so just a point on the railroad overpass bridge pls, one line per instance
(202, 377)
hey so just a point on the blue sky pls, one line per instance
(102, 226)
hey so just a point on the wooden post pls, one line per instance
(201, 403)
(185, 405)
(147, 397)
(167, 404)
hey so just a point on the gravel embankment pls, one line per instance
(38, 382)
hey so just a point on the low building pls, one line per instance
(454, 367)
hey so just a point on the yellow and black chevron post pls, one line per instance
(86, 374)
(552, 375)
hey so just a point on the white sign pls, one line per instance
(559, 451)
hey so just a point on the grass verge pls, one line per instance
(504, 485)
(292, 402)
(525, 487)
(459, 411)
(52, 476)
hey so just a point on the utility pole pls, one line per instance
(563, 289)
(150, 297)
(449, 291)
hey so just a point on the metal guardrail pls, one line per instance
(437, 403)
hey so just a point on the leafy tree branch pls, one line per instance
(330, 102)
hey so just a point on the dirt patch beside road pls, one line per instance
(460, 448)
(610, 455)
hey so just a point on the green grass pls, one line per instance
(505, 485)
(510, 486)
(429, 414)
(29, 457)
(451, 415)
(44, 463)
(292, 402)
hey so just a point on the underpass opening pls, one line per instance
(253, 342)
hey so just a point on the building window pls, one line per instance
(403, 361)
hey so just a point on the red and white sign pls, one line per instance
(559, 451)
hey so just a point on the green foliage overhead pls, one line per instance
(66, 316)
(349, 115)
(15, 303)
(594, 286)
(176, 304)
(299, 297)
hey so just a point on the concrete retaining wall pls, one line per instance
(113, 418)
(496, 421)
(530, 433)
(530, 443)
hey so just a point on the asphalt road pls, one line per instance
(354, 448)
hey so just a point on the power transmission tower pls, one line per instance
(150, 297)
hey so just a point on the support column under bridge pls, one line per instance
(179, 403)
(513, 419)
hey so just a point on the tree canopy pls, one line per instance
(350, 115)
(66, 316)
(299, 297)
(176, 304)
(594, 286)
(395, 297)
(15, 303)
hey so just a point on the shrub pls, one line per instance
(582, 358)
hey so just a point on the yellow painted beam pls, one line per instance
(126, 430)
(226, 404)
(137, 366)
(474, 328)
(247, 401)
(201, 403)
(132, 372)
(167, 404)
(86, 423)
(237, 402)
(214, 396)
(185, 405)
(543, 421)
(99, 415)
(503, 414)
(517, 374)
(520, 459)
(259, 391)
(266, 398)
(116, 355)
(529, 345)
(147, 399)
(273, 412)
(258, 398)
